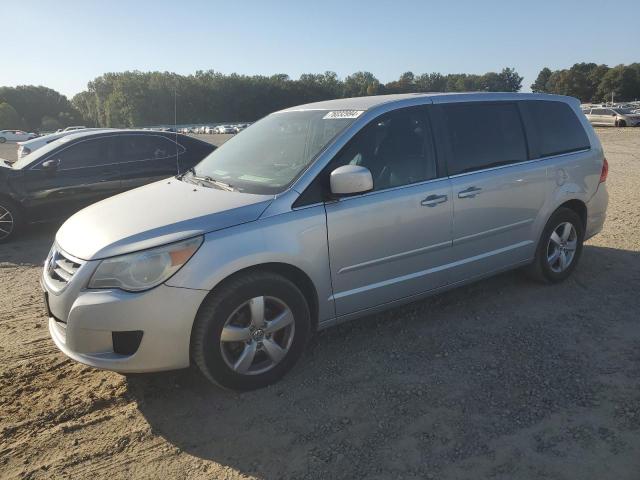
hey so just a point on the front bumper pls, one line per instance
(82, 327)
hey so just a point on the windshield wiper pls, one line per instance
(208, 179)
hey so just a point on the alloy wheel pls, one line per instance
(561, 248)
(257, 335)
(7, 222)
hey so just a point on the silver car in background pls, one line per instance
(319, 214)
(612, 117)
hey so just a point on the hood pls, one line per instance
(153, 215)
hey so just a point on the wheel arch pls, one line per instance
(288, 271)
(577, 206)
(13, 201)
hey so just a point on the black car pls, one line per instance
(79, 169)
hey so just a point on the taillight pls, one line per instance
(605, 171)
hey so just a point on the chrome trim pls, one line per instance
(515, 164)
(40, 162)
(491, 231)
(397, 256)
(428, 271)
(392, 189)
(57, 263)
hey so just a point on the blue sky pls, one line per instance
(64, 44)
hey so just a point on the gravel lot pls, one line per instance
(500, 379)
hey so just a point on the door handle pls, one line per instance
(469, 192)
(433, 200)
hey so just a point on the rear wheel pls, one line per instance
(2, 139)
(10, 220)
(251, 331)
(559, 248)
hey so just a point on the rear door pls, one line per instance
(496, 192)
(86, 173)
(145, 158)
(390, 243)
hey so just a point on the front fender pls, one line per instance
(297, 238)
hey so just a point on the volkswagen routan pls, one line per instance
(319, 214)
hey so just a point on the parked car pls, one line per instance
(613, 116)
(25, 148)
(225, 129)
(319, 214)
(15, 136)
(81, 168)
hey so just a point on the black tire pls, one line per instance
(622, 123)
(9, 211)
(540, 270)
(220, 305)
(2, 139)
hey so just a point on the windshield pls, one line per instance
(622, 111)
(269, 155)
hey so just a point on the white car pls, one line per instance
(15, 136)
(25, 148)
(226, 129)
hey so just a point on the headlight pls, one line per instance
(139, 271)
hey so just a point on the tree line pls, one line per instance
(591, 82)
(134, 98)
(145, 98)
(35, 108)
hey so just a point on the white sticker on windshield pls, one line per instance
(337, 114)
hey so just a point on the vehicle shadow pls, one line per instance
(431, 379)
(31, 247)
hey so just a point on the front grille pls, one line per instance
(60, 268)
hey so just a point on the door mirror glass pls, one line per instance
(350, 180)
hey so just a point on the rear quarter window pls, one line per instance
(558, 128)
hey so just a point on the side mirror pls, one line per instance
(350, 180)
(51, 165)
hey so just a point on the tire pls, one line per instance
(3, 140)
(248, 359)
(622, 123)
(556, 258)
(10, 220)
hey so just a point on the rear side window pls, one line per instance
(147, 147)
(484, 135)
(558, 128)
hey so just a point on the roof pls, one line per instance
(367, 103)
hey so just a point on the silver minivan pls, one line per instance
(319, 214)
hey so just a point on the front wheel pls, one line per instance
(2, 139)
(559, 248)
(250, 332)
(10, 220)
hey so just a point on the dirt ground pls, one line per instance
(501, 379)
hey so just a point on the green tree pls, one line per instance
(33, 103)
(540, 85)
(357, 84)
(9, 117)
(621, 81)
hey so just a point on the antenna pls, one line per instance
(175, 124)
